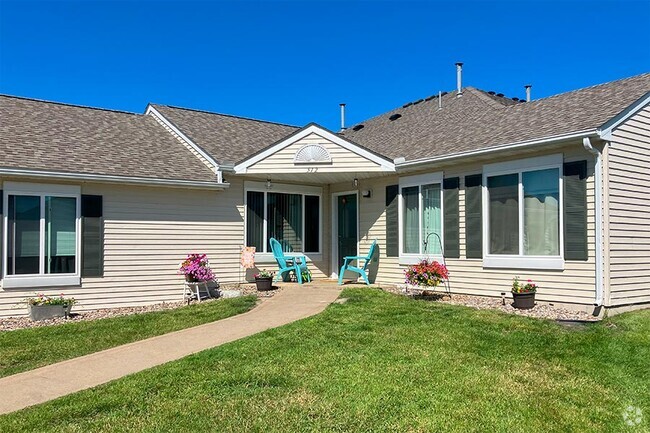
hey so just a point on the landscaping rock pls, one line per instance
(227, 294)
(13, 323)
(540, 311)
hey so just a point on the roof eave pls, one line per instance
(102, 178)
(424, 162)
(605, 131)
(242, 166)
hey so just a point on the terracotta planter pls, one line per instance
(264, 284)
(524, 301)
(45, 312)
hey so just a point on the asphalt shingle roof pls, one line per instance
(478, 120)
(65, 138)
(51, 136)
(226, 138)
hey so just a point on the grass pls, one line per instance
(381, 362)
(26, 349)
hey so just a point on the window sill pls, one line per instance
(15, 282)
(413, 259)
(519, 262)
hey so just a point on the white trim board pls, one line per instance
(155, 113)
(385, 164)
(605, 131)
(103, 178)
(424, 162)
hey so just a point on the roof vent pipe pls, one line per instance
(342, 105)
(528, 86)
(439, 99)
(459, 78)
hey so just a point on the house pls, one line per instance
(102, 205)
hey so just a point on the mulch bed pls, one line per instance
(540, 311)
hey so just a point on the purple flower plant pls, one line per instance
(196, 268)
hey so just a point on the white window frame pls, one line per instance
(267, 256)
(521, 261)
(41, 279)
(419, 180)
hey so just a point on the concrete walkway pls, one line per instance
(56, 380)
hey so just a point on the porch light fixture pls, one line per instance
(355, 182)
(268, 183)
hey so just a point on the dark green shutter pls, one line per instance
(392, 221)
(92, 236)
(451, 217)
(575, 210)
(474, 216)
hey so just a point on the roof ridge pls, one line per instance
(401, 107)
(488, 99)
(67, 104)
(225, 115)
(590, 87)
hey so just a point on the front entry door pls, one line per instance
(346, 228)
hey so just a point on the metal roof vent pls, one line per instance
(312, 154)
(395, 116)
(358, 127)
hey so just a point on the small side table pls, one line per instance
(193, 289)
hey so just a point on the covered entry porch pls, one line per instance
(308, 192)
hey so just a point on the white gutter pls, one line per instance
(586, 142)
(511, 146)
(129, 180)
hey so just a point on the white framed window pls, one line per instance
(41, 235)
(522, 214)
(420, 218)
(292, 214)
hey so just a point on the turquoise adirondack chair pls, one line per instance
(361, 270)
(296, 263)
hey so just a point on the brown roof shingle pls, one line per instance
(226, 138)
(477, 120)
(42, 135)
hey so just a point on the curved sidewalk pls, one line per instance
(56, 380)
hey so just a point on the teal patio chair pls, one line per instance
(361, 270)
(296, 263)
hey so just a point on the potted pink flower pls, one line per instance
(196, 268)
(523, 294)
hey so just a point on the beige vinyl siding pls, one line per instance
(147, 232)
(575, 284)
(343, 160)
(629, 211)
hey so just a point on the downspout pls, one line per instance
(598, 181)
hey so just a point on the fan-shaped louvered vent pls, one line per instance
(312, 153)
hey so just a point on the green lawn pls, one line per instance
(381, 362)
(27, 349)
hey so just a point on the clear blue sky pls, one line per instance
(293, 62)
